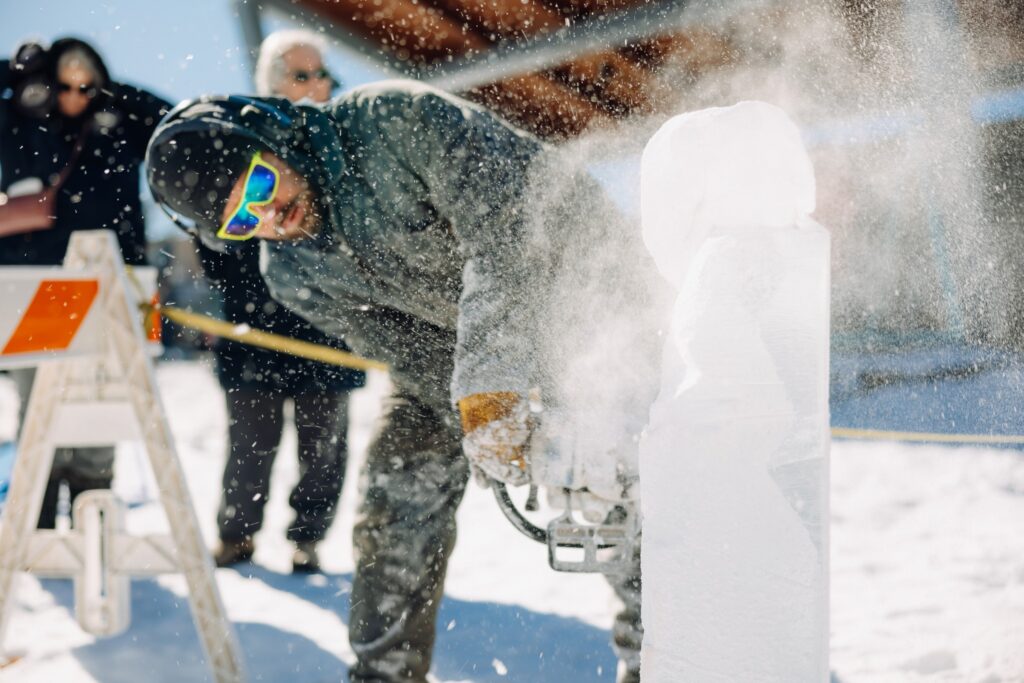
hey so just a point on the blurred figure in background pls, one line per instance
(258, 383)
(291, 65)
(68, 131)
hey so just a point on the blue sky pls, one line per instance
(178, 49)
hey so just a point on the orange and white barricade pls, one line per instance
(82, 325)
(48, 313)
(44, 311)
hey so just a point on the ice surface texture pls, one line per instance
(743, 165)
(733, 467)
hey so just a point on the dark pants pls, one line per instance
(414, 481)
(83, 468)
(255, 424)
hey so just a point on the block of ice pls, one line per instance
(698, 163)
(733, 465)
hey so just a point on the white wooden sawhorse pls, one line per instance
(115, 379)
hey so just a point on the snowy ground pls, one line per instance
(927, 576)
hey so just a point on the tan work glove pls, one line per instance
(497, 428)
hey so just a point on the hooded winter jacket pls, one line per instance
(421, 258)
(102, 192)
(454, 247)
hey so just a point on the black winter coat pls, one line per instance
(102, 192)
(246, 301)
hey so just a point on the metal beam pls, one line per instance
(601, 33)
(252, 29)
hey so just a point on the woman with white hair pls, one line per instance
(257, 384)
(291, 65)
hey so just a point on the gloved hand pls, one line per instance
(497, 427)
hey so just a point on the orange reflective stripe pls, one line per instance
(53, 317)
(154, 328)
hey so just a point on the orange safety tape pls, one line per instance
(154, 323)
(53, 317)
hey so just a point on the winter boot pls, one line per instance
(230, 553)
(305, 560)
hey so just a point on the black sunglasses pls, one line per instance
(320, 74)
(86, 89)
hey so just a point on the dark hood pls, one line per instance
(64, 45)
(304, 136)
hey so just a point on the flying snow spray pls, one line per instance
(734, 462)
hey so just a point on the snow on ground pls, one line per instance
(927, 563)
(927, 576)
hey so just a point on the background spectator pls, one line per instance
(63, 113)
(258, 383)
(291, 65)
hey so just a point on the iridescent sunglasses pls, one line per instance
(261, 182)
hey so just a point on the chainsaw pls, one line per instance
(596, 499)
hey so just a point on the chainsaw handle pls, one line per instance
(512, 514)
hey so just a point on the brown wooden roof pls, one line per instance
(430, 39)
(564, 66)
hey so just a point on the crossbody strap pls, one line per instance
(75, 153)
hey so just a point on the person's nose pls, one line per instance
(265, 210)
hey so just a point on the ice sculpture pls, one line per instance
(734, 463)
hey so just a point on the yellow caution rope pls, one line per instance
(275, 342)
(325, 354)
(267, 340)
(247, 335)
(882, 435)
